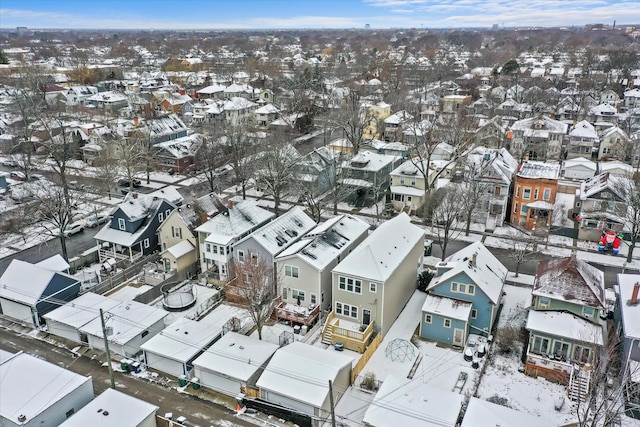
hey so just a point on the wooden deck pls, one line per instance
(297, 315)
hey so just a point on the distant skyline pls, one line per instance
(282, 14)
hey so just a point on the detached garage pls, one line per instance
(173, 350)
(297, 377)
(29, 291)
(233, 363)
(67, 320)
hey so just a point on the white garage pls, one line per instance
(173, 350)
(232, 363)
(67, 320)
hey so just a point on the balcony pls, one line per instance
(297, 314)
(554, 370)
(353, 336)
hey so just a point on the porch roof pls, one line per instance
(566, 325)
(447, 307)
(119, 237)
(410, 191)
(541, 204)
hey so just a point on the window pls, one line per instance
(338, 308)
(207, 247)
(166, 213)
(561, 349)
(296, 294)
(146, 243)
(70, 412)
(291, 271)
(524, 210)
(471, 289)
(144, 334)
(254, 258)
(463, 288)
(351, 285)
(322, 297)
(373, 287)
(347, 310)
(581, 354)
(177, 232)
(474, 313)
(546, 195)
(160, 217)
(540, 345)
(454, 287)
(447, 323)
(314, 299)
(518, 191)
(526, 194)
(543, 302)
(428, 318)
(121, 224)
(587, 311)
(214, 249)
(240, 255)
(535, 194)
(515, 208)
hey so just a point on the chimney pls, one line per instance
(474, 258)
(135, 195)
(136, 121)
(230, 204)
(634, 294)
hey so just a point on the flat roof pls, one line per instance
(81, 310)
(182, 339)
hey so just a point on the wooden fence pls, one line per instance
(355, 371)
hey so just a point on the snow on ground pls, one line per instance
(165, 177)
(565, 201)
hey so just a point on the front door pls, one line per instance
(458, 337)
(366, 317)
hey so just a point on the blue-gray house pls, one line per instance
(132, 231)
(627, 315)
(29, 291)
(464, 297)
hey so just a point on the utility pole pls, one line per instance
(106, 348)
(333, 409)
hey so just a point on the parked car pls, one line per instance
(222, 170)
(18, 176)
(36, 177)
(96, 220)
(125, 183)
(10, 163)
(73, 228)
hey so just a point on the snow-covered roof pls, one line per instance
(136, 206)
(487, 272)
(81, 310)
(283, 231)
(113, 408)
(540, 204)
(580, 161)
(55, 263)
(598, 183)
(211, 89)
(398, 118)
(267, 109)
(31, 385)
(630, 313)
(182, 339)
(15, 286)
(378, 256)
(369, 161)
(411, 403)
(570, 279)
(127, 320)
(302, 372)
(234, 222)
(236, 356)
(237, 103)
(407, 190)
(566, 325)
(481, 413)
(616, 167)
(109, 97)
(182, 147)
(170, 193)
(327, 241)
(583, 129)
(181, 249)
(540, 124)
(536, 169)
(447, 307)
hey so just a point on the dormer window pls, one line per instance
(121, 224)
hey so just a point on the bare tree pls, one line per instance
(106, 170)
(446, 216)
(132, 155)
(239, 149)
(255, 289)
(354, 120)
(522, 249)
(275, 167)
(212, 158)
(630, 191)
(471, 193)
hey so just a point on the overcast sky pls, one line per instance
(255, 14)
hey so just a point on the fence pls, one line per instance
(114, 279)
(359, 366)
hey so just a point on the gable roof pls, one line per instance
(447, 307)
(13, 285)
(584, 129)
(81, 310)
(302, 372)
(570, 279)
(378, 256)
(283, 231)
(481, 413)
(598, 183)
(55, 263)
(327, 241)
(580, 161)
(114, 407)
(487, 272)
(235, 221)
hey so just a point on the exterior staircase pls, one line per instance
(327, 331)
(579, 383)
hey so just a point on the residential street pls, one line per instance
(198, 412)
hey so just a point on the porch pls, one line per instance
(553, 369)
(297, 314)
(353, 336)
(124, 254)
